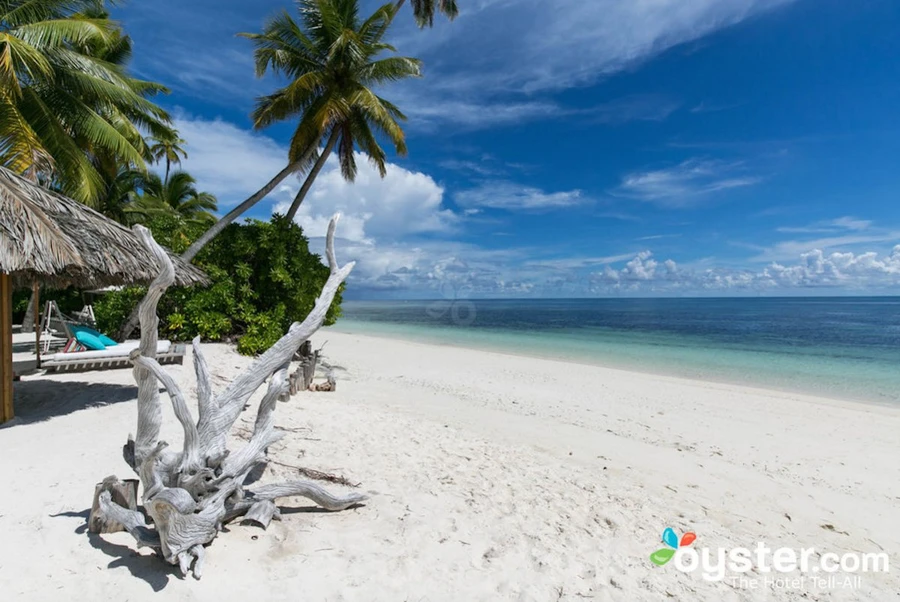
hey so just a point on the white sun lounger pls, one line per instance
(111, 357)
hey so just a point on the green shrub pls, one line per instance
(112, 309)
(263, 278)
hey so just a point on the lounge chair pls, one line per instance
(111, 357)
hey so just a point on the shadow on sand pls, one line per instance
(38, 400)
(146, 567)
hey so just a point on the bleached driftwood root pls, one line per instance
(189, 494)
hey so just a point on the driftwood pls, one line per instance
(302, 378)
(123, 493)
(330, 384)
(189, 494)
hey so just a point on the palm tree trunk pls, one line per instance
(320, 162)
(238, 211)
(128, 327)
(168, 165)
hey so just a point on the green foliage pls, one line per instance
(69, 111)
(263, 279)
(114, 308)
(177, 194)
(330, 61)
(424, 10)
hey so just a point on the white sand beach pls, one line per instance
(492, 477)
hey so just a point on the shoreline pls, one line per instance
(582, 361)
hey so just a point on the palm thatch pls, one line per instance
(47, 237)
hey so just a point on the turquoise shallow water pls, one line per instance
(846, 348)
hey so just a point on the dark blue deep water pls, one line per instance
(844, 347)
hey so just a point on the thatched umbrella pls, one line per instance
(46, 237)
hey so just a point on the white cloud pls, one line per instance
(477, 74)
(448, 270)
(637, 107)
(834, 225)
(432, 268)
(229, 161)
(428, 113)
(686, 184)
(574, 263)
(789, 249)
(658, 237)
(512, 197)
(233, 163)
(402, 203)
(814, 270)
(555, 45)
(863, 270)
(477, 167)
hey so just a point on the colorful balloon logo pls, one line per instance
(670, 538)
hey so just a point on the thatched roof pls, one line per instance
(58, 241)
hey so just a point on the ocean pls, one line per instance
(840, 347)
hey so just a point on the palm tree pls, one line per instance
(177, 194)
(117, 199)
(330, 59)
(66, 101)
(424, 10)
(168, 147)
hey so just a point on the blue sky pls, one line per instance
(584, 148)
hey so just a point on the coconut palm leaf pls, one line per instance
(330, 58)
(424, 10)
(66, 96)
(179, 195)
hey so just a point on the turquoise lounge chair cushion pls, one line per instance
(107, 341)
(88, 340)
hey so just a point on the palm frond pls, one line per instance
(390, 69)
(331, 57)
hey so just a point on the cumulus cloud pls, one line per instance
(449, 270)
(814, 270)
(228, 161)
(382, 221)
(434, 268)
(790, 249)
(233, 163)
(686, 184)
(402, 203)
(512, 196)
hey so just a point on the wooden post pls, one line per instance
(6, 378)
(36, 299)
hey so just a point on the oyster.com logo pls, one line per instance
(767, 566)
(670, 538)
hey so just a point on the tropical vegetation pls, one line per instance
(263, 277)
(73, 119)
(177, 194)
(70, 115)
